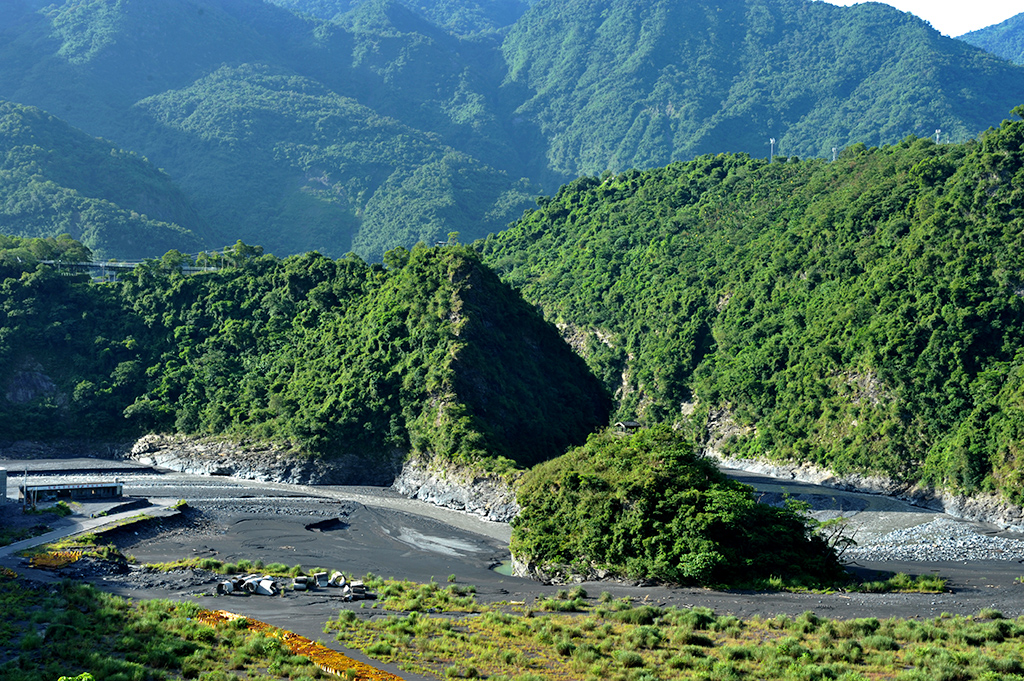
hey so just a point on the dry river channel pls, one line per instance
(365, 529)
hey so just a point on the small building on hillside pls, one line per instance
(628, 426)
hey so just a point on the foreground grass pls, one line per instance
(616, 640)
(73, 628)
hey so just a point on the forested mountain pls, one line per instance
(55, 180)
(250, 135)
(462, 17)
(338, 125)
(294, 132)
(865, 314)
(1005, 39)
(344, 360)
(619, 84)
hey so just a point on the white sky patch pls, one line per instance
(954, 17)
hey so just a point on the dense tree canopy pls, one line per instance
(865, 314)
(1004, 40)
(644, 506)
(57, 180)
(430, 354)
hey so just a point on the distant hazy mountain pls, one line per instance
(55, 179)
(464, 17)
(1004, 40)
(624, 83)
(338, 125)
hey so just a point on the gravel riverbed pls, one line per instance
(943, 539)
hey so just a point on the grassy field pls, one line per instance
(72, 628)
(574, 637)
(441, 630)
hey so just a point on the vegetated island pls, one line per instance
(647, 508)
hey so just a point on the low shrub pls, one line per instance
(645, 614)
(628, 659)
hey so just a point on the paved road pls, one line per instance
(81, 524)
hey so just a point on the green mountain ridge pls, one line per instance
(462, 17)
(55, 180)
(254, 128)
(617, 86)
(572, 88)
(863, 315)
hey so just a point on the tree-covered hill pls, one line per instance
(265, 115)
(648, 507)
(55, 179)
(862, 314)
(1005, 39)
(431, 354)
(299, 163)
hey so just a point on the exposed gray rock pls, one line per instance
(979, 508)
(28, 382)
(261, 461)
(941, 539)
(457, 487)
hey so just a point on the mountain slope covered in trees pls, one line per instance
(431, 355)
(58, 180)
(1005, 39)
(619, 84)
(865, 315)
(462, 17)
(364, 125)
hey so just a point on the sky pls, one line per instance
(954, 17)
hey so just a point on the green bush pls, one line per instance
(646, 507)
(628, 659)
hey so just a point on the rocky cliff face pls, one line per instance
(455, 487)
(29, 382)
(256, 461)
(443, 485)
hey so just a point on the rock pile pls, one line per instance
(940, 540)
